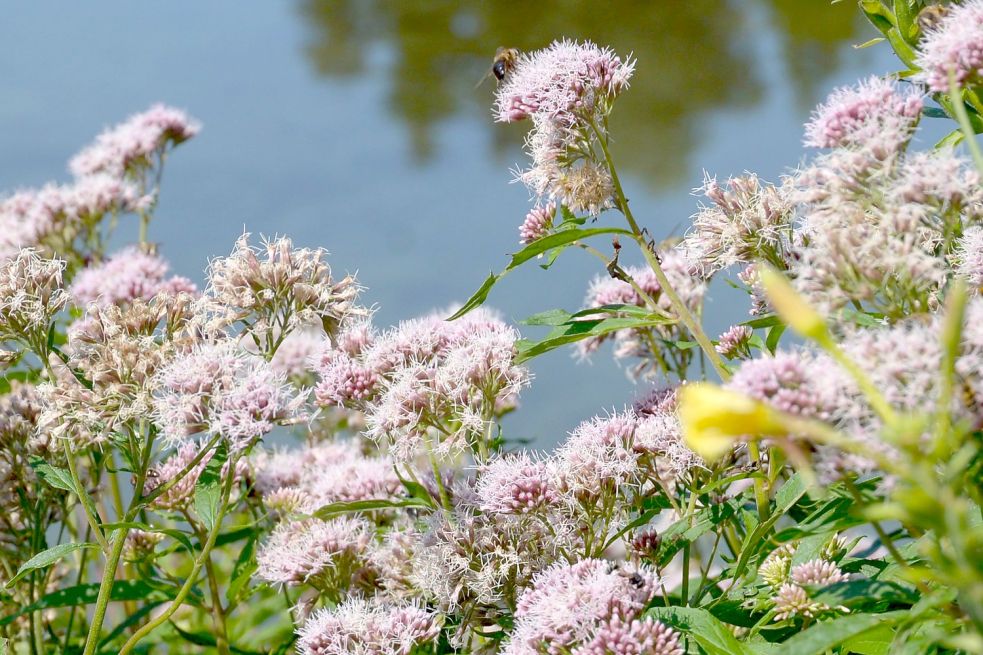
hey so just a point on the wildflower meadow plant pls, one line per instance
(760, 495)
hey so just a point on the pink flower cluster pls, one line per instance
(586, 608)
(358, 626)
(219, 388)
(954, 47)
(873, 112)
(304, 480)
(133, 143)
(127, 275)
(564, 79)
(178, 497)
(427, 380)
(302, 551)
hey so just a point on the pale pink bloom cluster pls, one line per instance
(328, 554)
(55, 215)
(220, 388)
(277, 288)
(747, 220)
(427, 381)
(637, 343)
(563, 82)
(954, 46)
(31, 295)
(874, 111)
(538, 223)
(577, 608)
(135, 142)
(969, 256)
(516, 484)
(305, 479)
(735, 342)
(793, 585)
(567, 90)
(129, 274)
(360, 627)
(788, 382)
(295, 356)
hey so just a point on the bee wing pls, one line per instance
(483, 78)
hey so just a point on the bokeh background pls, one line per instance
(356, 125)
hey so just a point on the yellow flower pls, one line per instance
(792, 309)
(714, 419)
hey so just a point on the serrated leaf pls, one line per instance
(865, 594)
(208, 488)
(48, 557)
(53, 476)
(579, 329)
(712, 635)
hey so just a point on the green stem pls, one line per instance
(678, 306)
(105, 590)
(760, 493)
(206, 550)
(83, 497)
(959, 107)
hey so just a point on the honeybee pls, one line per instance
(502, 64)
(929, 17)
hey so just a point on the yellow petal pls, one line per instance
(796, 312)
(714, 419)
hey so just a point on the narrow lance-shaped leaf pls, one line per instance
(48, 557)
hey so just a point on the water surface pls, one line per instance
(356, 125)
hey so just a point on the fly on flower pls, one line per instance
(502, 64)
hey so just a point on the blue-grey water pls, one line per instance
(356, 126)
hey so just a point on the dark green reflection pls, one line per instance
(693, 56)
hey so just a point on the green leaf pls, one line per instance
(713, 636)
(243, 570)
(558, 240)
(867, 44)
(873, 642)
(822, 637)
(878, 15)
(348, 507)
(866, 595)
(205, 639)
(578, 329)
(48, 557)
(774, 336)
(787, 496)
(950, 140)
(763, 322)
(58, 478)
(208, 488)
(86, 594)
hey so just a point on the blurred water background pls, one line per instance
(356, 125)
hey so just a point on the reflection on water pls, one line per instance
(697, 58)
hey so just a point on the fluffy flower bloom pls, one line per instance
(564, 79)
(296, 355)
(357, 627)
(538, 223)
(956, 46)
(571, 604)
(635, 637)
(515, 484)
(220, 388)
(31, 294)
(817, 572)
(129, 274)
(969, 256)
(327, 554)
(733, 343)
(874, 112)
(659, 435)
(281, 286)
(134, 142)
(747, 220)
(599, 455)
(792, 600)
(787, 381)
(776, 566)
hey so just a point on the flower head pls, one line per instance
(515, 484)
(538, 223)
(358, 627)
(954, 46)
(326, 553)
(129, 274)
(31, 294)
(872, 113)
